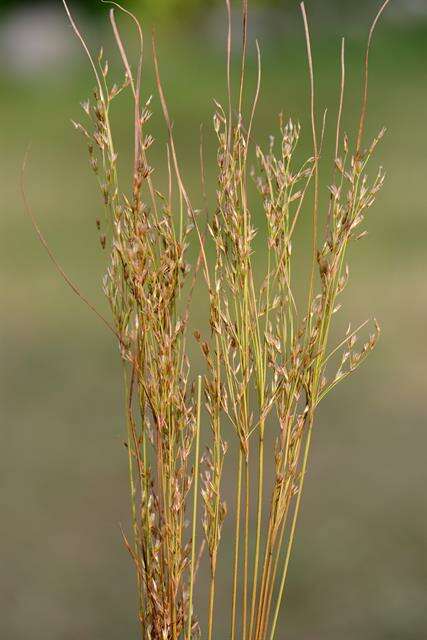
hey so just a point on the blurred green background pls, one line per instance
(359, 570)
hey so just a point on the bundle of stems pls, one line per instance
(269, 364)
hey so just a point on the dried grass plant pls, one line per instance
(269, 364)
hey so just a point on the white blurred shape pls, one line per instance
(35, 39)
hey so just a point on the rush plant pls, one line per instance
(269, 362)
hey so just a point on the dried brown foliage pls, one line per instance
(268, 363)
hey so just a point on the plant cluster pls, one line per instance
(268, 361)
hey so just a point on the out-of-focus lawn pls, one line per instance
(359, 568)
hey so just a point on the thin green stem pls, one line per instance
(258, 526)
(211, 604)
(292, 532)
(132, 489)
(195, 497)
(246, 551)
(236, 546)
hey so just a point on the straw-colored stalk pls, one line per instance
(268, 364)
